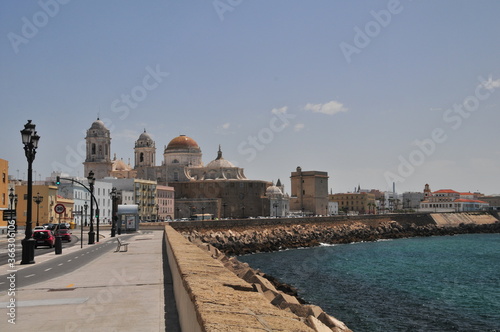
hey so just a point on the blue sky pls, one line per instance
(373, 92)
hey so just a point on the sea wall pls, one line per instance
(210, 297)
(238, 237)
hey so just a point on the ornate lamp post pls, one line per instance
(30, 141)
(202, 213)
(114, 198)
(85, 207)
(91, 180)
(157, 212)
(38, 199)
(275, 205)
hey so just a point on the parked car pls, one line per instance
(49, 226)
(64, 233)
(44, 237)
(39, 228)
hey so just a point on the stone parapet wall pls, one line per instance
(211, 298)
(372, 220)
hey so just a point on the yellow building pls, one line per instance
(4, 189)
(67, 216)
(360, 202)
(45, 210)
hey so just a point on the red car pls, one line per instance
(64, 234)
(44, 237)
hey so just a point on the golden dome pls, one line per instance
(182, 142)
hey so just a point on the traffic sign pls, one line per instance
(9, 214)
(59, 208)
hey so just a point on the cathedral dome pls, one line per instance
(273, 190)
(99, 125)
(182, 142)
(119, 165)
(219, 162)
(144, 140)
(145, 136)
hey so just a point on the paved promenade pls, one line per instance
(119, 291)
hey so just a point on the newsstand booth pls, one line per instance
(128, 218)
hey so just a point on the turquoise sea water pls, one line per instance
(449, 283)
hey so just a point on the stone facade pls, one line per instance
(309, 192)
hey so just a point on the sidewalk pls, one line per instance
(119, 291)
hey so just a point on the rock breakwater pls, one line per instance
(240, 241)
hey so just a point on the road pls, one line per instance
(56, 266)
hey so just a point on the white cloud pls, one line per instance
(223, 128)
(490, 84)
(330, 108)
(298, 127)
(279, 110)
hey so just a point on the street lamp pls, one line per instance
(157, 212)
(13, 199)
(275, 210)
(85, 207)
(114, 197)
(30, 141)
(38, 199)
(202, 213)
(91, 180)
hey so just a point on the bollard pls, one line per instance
(58, 245)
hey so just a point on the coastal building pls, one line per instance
(144, 195)
(278, 200)
(309, 192)
(165, 202)
(448, 200)
(40, 213)
(411, 200)
(493, 201)
(359, 202)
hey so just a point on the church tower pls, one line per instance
(98, 150)
(145, 151)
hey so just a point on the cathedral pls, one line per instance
(218, 188)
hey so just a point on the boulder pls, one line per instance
(333, 323)
(317, 325)
(266, 284)
(281, 298)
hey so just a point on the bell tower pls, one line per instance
(145, 151)
(98, 143)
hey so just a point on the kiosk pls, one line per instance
(128, 218)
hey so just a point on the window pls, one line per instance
(93, 148)
(3, 177)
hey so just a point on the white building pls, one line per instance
(447, 200)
